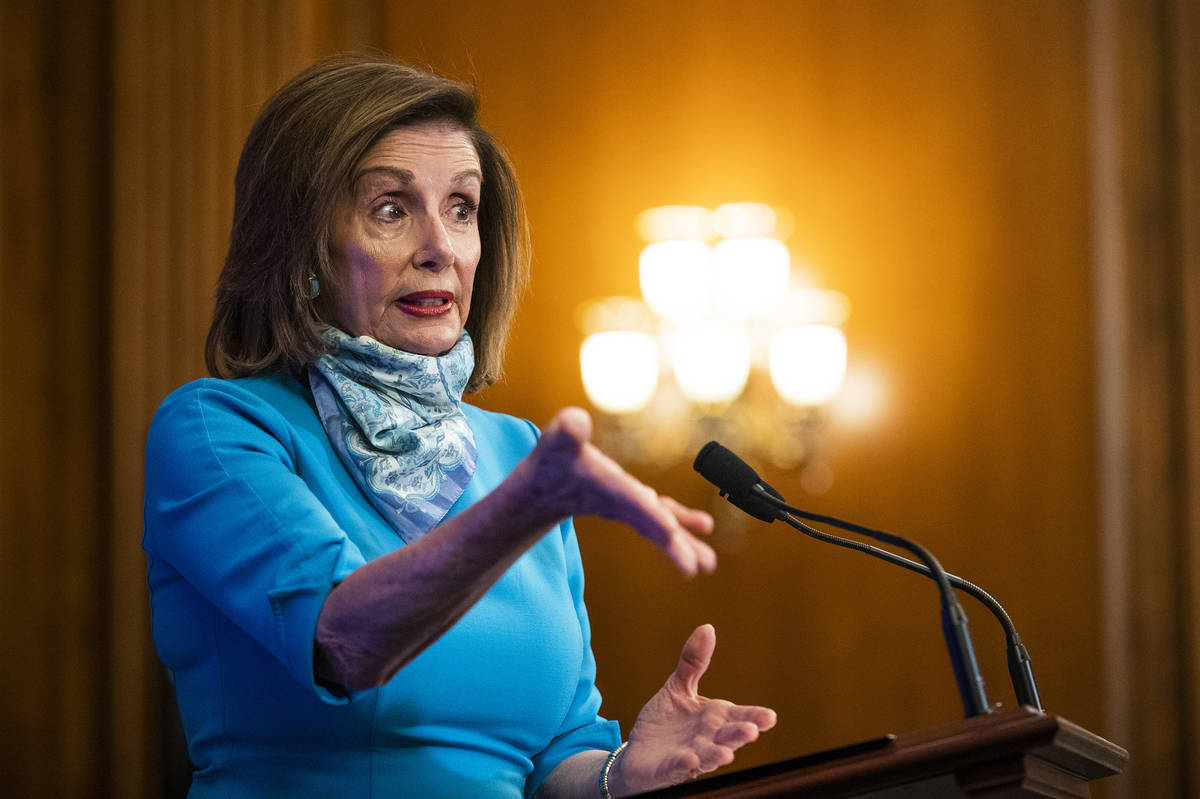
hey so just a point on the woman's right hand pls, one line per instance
(569, 476)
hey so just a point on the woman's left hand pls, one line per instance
(680, 734)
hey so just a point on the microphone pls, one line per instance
(741, 485)
(725, 469)
(736, 481)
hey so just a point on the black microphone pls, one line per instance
(736, 481)
(740, 484)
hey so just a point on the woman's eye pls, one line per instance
(464, 212)
(389, 211)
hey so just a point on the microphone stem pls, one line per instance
(954, 620)
(1020, 666)
(954, 629)
(1020, 669)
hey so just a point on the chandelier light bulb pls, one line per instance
(692, 222)
(811, 306)
(751, 276)
(744, 219)
(676, 278)
(808, 364)
(711, 361)
(620, 370)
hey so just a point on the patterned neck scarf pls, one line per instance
(396, 421)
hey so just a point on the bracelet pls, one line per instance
(612, 757)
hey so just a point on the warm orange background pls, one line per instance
(937, 157)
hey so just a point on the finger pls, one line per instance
(615, 494)
(697, 521)
(570, 427)
(736, 734)
(690, 554)
(706, 556)
(693, 521)
(618, 495)
(682, 554)
(655, 522)
(762, 717)
(627, 499)
(713, 756)
(694, 659)
(679, 766)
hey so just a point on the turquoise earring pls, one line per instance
(314, 286)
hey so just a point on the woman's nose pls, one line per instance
(435, 250)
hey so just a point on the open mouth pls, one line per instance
(426, 303)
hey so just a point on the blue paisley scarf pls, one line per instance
(394, 418)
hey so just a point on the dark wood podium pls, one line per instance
(1009, 753)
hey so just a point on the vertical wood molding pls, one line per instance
(1144, 238)
(134, 682)
(53, 253)
(1112, 402)
(1186, 25)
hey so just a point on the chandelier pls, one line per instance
(727, 341)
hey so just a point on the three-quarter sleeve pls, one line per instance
(227, 511)
(582, 728)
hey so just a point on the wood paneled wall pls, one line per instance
(55, 267)
(1185, 43)
(935, 158)
(122, 127)
(1146, 156)
(939, 158)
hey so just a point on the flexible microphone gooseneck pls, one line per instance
(740, 484)
(1020, 668)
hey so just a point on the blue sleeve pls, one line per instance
(582, 728)
(226, 509)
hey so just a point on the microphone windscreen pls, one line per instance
(735, 480)
(726, 471)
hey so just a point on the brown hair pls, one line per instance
(296, 168)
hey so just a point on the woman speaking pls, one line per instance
(362, 585)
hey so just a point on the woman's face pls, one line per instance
(407, 241)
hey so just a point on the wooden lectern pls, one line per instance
(1008, 753)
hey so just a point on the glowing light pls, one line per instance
(711, 360)
(807, 306)
(675, 222)
(863, 397)
(620, 370)
(676, 277)
(744, 219)
(808, 363)
(615, 313)
(750, 275)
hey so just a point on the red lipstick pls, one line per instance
(427, 303)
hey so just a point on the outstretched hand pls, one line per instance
(680, 734)
(572, 476)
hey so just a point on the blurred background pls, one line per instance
(1007, 194)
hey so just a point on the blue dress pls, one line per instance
(251, 519)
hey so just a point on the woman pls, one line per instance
(361, 584)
